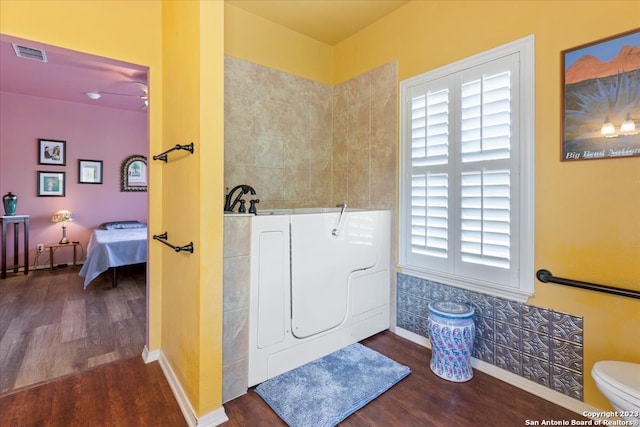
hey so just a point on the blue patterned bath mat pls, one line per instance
(326, 391)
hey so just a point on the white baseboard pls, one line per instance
(150, 356)
(214, 418)
(211, 419)
(510, 378)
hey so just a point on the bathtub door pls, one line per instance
(321, 266)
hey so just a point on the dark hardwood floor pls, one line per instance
(126, 393)
(422, 398)
(129, 393)
(51, 327)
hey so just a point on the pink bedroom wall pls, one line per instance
(91, 133)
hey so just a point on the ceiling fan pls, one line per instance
(143, 88)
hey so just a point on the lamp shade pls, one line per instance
(628, 126)
(607, 129)
(63, 215)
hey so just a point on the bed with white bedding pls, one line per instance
(123, 244)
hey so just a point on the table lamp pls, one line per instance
(63, 216)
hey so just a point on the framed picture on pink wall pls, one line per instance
(89, 171)
(601, 99)
(133, 173)
(52, 152)
(51, 184)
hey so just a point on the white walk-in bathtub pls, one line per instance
(319, 282)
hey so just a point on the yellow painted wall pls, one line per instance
(193, 64)
(185, 194)
(587, 224)
(193, 188)
(210, 197)
(586, 215)
(110, 29)
(180, 289)
(257, 40)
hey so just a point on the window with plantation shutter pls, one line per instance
(466, 214)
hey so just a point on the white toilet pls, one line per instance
(620, 383)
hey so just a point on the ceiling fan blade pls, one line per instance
(143, 87)
(144, 96)
(119, 94)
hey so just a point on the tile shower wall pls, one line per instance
(300, 143)
(235, 335)
(277, 135)
(364, 139)
(539, 344)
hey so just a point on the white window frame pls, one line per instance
(524, 126)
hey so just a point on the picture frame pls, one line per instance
(52, 152)
(600, 92)
(133, 173)
(51, 184)
(89, 171)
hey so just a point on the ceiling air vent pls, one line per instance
(30, 53)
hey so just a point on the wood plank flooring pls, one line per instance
(129, 393)
(126, 393)
(51, 327)
(422, 398)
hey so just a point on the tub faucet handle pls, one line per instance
(252, 206)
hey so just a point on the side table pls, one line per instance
(54, 247)
(15, 220)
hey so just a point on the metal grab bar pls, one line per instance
(334, 232)
(162, 238)
(163, 156)
(546, 276)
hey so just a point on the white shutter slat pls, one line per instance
(429, 214)
(430, 128)
(486, 118)
(485, 227)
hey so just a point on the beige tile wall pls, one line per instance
(364, 139)
(301, 143)
(235, 345)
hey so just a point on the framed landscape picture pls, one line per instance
(601, 99)
(52, 152)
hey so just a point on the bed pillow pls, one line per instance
(121, 225)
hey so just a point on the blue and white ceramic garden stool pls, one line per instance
(451, 332)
